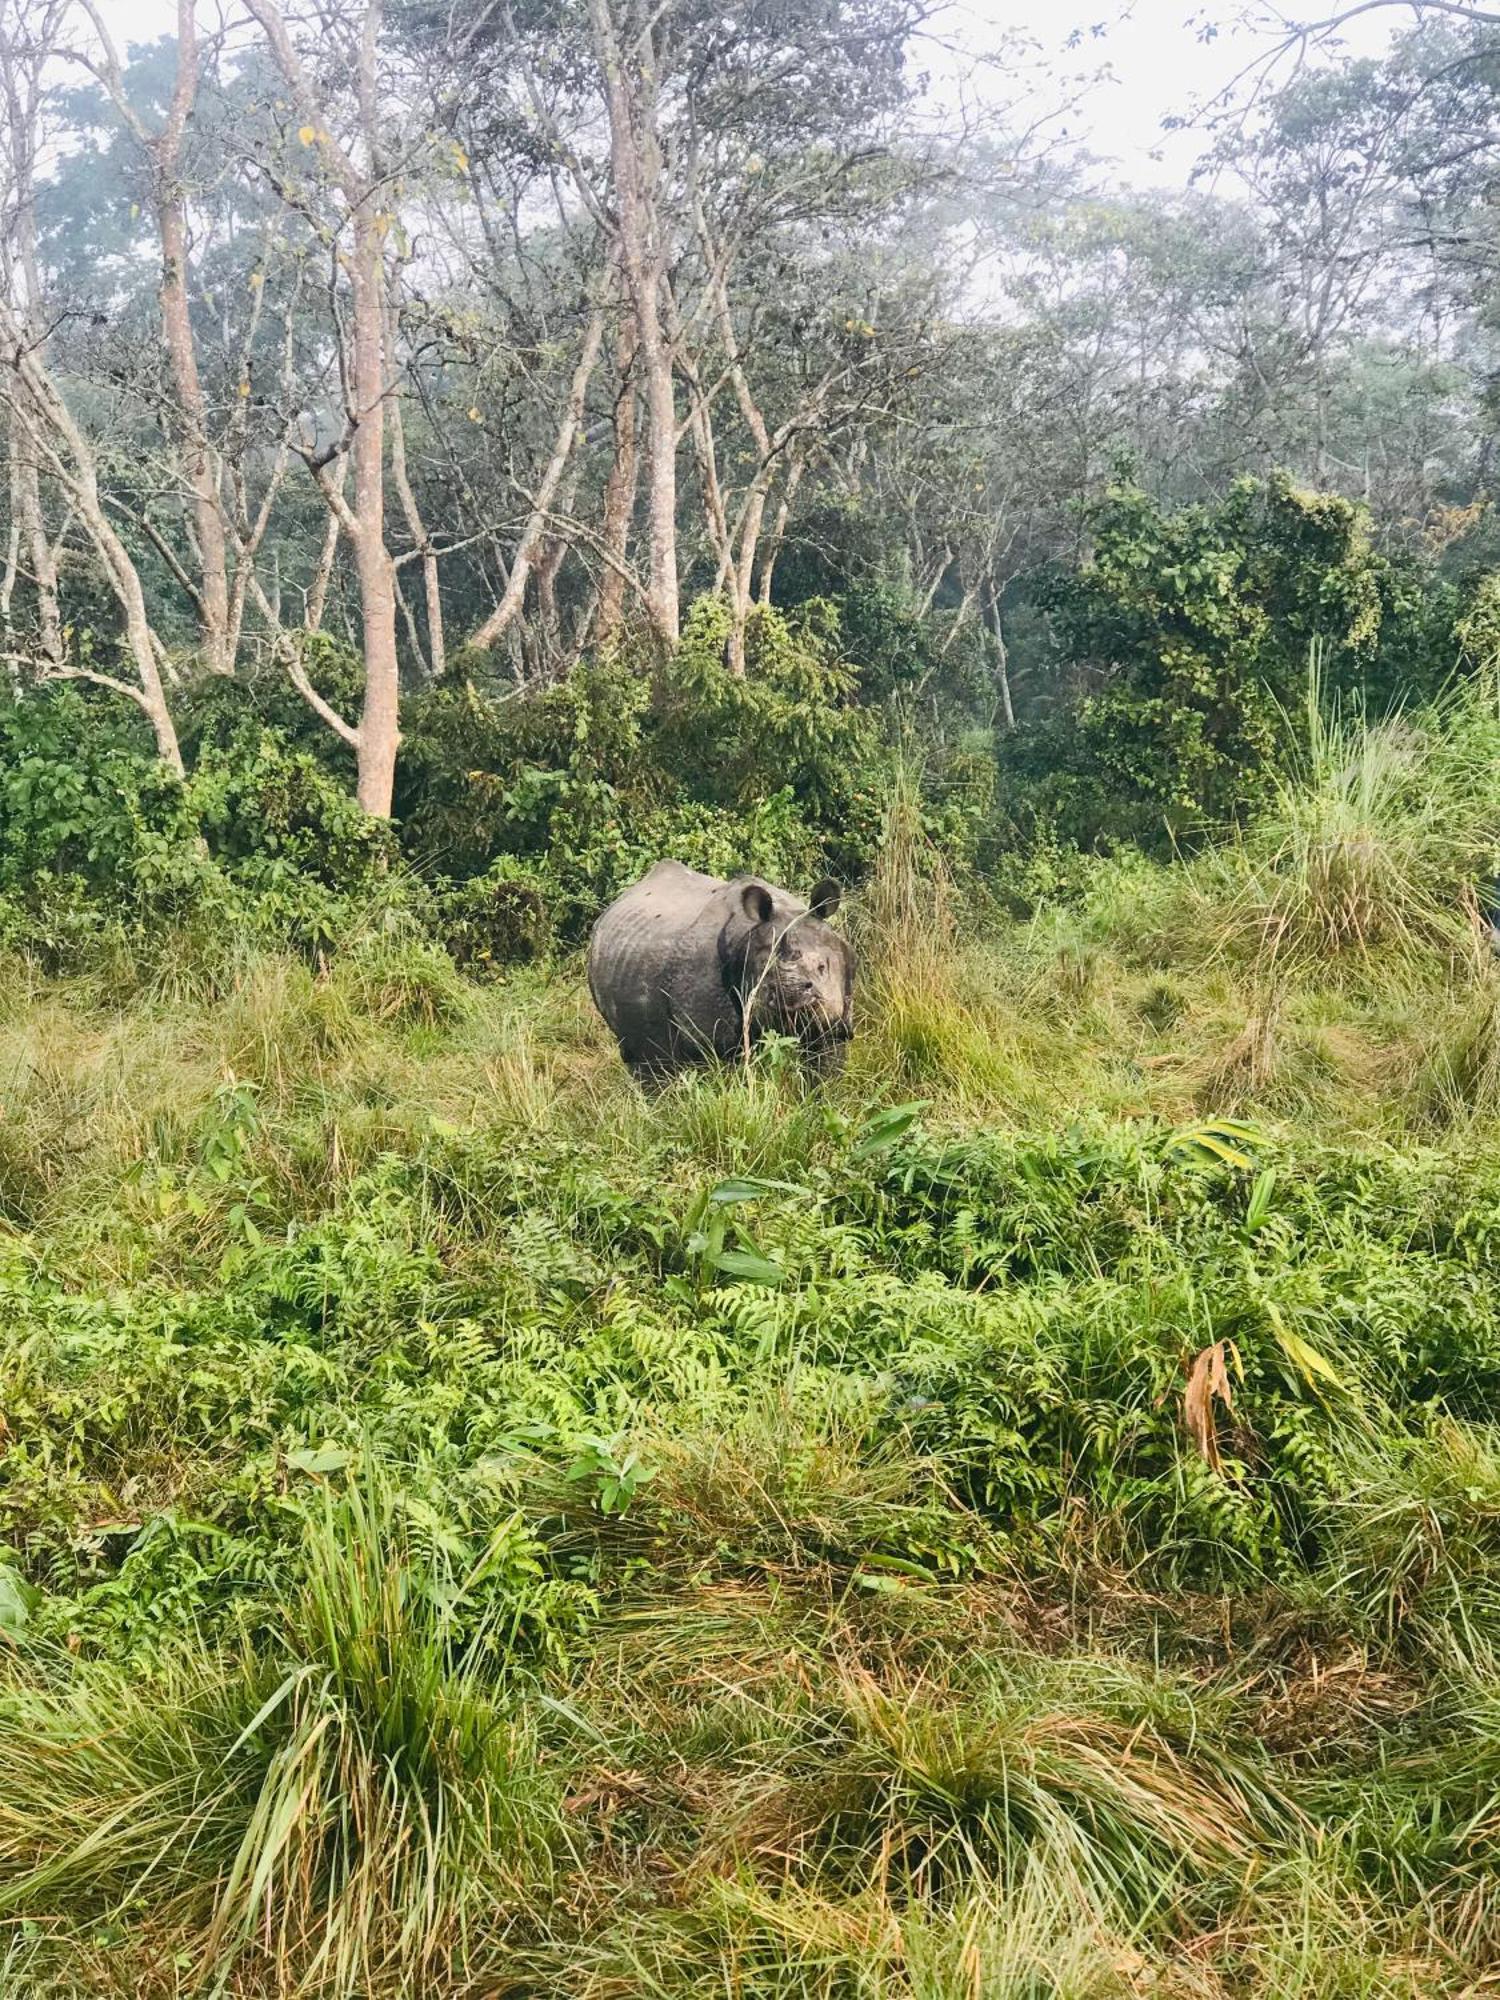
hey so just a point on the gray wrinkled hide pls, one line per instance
(670, 960)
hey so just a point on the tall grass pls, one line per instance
(455, 1564)
(338, 1808)
(1371, 844)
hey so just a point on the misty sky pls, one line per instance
(1160, 66)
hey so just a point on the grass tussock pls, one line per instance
(1371, 844)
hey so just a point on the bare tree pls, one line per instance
(359, 172)
(162, 145)
(28, 36)
(625, 48)
(48, 428)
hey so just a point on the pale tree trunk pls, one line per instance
(961, 617)
(28, 540)
(48, 429)
(199, 469)
(634, 160)
(778, 531)
(377, 738)
(437, 647)
(45, 435)
(21, 81)
(43, 563)
(12, 570)
(317, 596)
(548, 619)
(619, 490)
(163, 149)
(379, 722)
(752, 516)
(1002, 661)
(432, 590)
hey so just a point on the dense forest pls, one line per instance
(1013, 1514)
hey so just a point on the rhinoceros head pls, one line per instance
(794, 970)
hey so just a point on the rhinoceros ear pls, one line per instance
(755, 901)
(826, 897)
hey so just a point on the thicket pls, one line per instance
(1187, 637)
(1180, 654)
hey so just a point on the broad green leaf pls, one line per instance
(885, 1129)
(749, 1265)
(728, 1192)
(18, 1599)
(329, 1459)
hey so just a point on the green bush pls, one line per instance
(1188, 633)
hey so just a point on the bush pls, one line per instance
(575, 789)
(1188, 634)
(502, 917)
(1374, 840)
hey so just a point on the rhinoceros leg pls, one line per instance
(652, 1073)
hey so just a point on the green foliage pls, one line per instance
(442, 1490)
(790, 723)
(94, 833)
(1191, 632)
(100, 847)
(575, 789)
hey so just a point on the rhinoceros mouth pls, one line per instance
(815, 1029)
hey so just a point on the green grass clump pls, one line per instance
(337, 1804)
(1372, 843)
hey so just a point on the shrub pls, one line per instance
(1374, 839)
(1188, 633)
(499, 918)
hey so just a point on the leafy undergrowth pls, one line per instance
(1024, 1522)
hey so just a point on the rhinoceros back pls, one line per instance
(654, 968)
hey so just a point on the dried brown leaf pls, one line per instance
(1208, 1381)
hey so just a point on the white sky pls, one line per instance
(1158, 64)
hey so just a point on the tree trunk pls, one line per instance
(619, 490)
(778, 531)
(177, 333)
(22, 87)
(317, 596)
(50, 432)
(379, 722)
(1002, 662)
(437, 646)
(198, 468)
(27, 536)
(378, 736)
(534, 534)
(633, 163)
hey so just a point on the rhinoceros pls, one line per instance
(687, 969)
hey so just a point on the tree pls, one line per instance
(358, 170)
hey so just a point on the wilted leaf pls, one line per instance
(1208, 1381)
